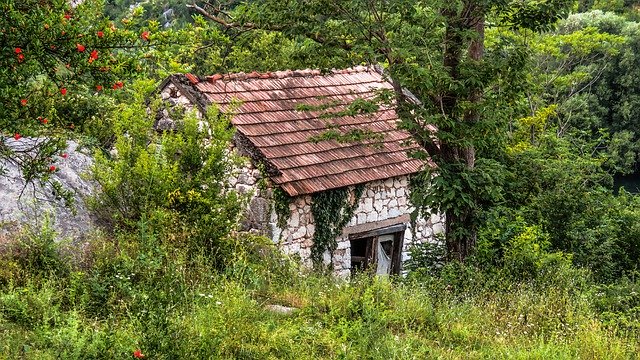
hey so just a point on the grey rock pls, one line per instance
(32, 204)
(285, 310)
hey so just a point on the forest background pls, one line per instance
(550, 111)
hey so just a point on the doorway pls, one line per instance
(378, 251)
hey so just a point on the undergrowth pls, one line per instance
(136, 290)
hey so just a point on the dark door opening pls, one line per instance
(378, 251)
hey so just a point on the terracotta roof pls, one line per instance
(270, 116)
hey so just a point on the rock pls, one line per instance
(284, 310)
(368, 205)
(31, 204)
(299, 233)
(294, 221)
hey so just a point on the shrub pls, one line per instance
(175, 180)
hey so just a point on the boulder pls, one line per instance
(23, 204)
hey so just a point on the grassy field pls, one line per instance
(134, 292)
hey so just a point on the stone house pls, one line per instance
(304, 134)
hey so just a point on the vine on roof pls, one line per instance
(332, 209)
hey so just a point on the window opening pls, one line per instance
(379, 251)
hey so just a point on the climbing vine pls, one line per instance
(332, 210)
(281, 201)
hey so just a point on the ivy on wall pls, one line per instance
(281, 201)
(332, 209)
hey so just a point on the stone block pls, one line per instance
(343, 245)
(400, 192)
(362, 218)
(394, 213)
(299, 233)
(368, 205)
(311, 229)
(294, 220)
(244, 189)
(377, 205)
(388, 183)
(383, 214)
(437, 228)
(372, 217)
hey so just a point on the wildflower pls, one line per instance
(98, 87)
(80, 47)
(145, 35)
(93, 56)
(20, 57)
(64, 155)
(138, 354)
(63, 91)
(100, 34)
(17, 136)
(67, 16)
(18, 50)
(52, 168)
(44, 121)
(23, 102)
(118, 85)
(46, 26)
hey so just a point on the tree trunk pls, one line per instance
(460, 226)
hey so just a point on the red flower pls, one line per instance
(63, 91)
(80, 47)
(99, 87)
(67, 16)
(64, 155)
(52, 168)
(18, 50)
(17, 136)
(100, 34)
(93, 56)
(23, 102)
(145, 35)
(118, 85)
(20, 57)
(44, 121)
(138, 354)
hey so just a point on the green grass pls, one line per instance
(144, 294)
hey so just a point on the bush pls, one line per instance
(177, 180)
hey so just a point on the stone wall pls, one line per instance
(382, 204)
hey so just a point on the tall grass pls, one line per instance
(137, 291)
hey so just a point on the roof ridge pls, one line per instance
(283, 74)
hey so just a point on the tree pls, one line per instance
(56, 60)
(434, 49)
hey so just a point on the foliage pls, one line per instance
(177, 179)
(331, 209)
(435, 51)
(138, 291)
(281, 202)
